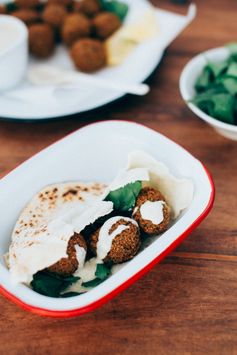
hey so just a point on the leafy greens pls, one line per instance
(216, 88)
(125, 197)
(49, 284)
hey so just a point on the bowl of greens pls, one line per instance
(208, 84)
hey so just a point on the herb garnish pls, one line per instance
(125, 197)
(216, 88)
(51, 285)
(117, 7)
(102, 273)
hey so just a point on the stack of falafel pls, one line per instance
(125, 245)
(81, 25)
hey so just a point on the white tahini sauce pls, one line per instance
(87, 273)
(81, 255)
(105, 238)
(152, 211)
(8, 35)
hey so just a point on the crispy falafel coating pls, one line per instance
(41, 40)
(105, 24)
(124, 246)
(150, 194)
(88, 55)
(27, 4)
(66, 3)
(3, 10)
(54, 15)
(67, 266)
(88, 7)
(28, 16)
(75, 26)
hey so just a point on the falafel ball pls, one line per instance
(105, 24)
(3, 10)
(27, 4)
(75, 26)
(88, 7)
(54, 15)
(88, 55)
(66, 3)
(125, 245)
(148, 194)
(41, 40)
(67, 266)
(28, 16)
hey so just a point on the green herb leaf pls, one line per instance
(231, 85)
(102, 271)
(92, 283)
(118, 8)
(224, 107)
(51, 285)
(70, 294)
(218, 68)
(124, 198)
(233, 49)
(204, 80)
(232, 70)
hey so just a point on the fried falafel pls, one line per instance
(148, 194)
(54, 15)
(125, 244)
(75, 26)
(3, 10)
(41, 40)
(88, 55)
(28, 16)
(27, 4)
(66, 3)
(88, 7)
(105, 24)
(67, 266)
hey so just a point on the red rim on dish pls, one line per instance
(94, 305)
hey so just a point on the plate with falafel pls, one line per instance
(111, 41)
(94, 224)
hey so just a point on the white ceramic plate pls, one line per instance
(136, 68)
(187, 81)
(95, 153)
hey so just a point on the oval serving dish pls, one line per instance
(95, 153)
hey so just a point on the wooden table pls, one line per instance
(188, 303)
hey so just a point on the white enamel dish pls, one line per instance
(187, 81)
(135, 69)
(95, 153)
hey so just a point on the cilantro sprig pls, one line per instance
(51, 285)
(124, 198)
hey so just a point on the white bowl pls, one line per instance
(14, 53)
(95, 153)
(187, 81)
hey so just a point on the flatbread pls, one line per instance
(44, 227)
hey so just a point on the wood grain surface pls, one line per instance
(188, 303)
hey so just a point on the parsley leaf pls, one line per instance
(102, 273)
(125, 197)
(51, 285)
(117, 7)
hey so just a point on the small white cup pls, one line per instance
(13, 55)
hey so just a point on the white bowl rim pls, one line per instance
(22, 34)
(190, 66)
